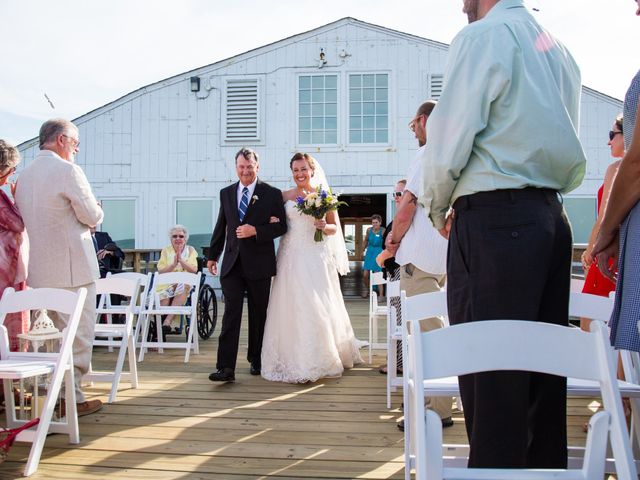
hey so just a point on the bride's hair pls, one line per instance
(303, 156)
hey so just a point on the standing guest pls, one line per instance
(619, 236)
(420, 251)
(59, 208)
(373, 246)
(391, 271)
(504, 142)
(245, 231)
(177, 257)
(14, 245)
(595, 282)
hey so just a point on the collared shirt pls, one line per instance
(251, 187)
(422, 245)
(508, 115)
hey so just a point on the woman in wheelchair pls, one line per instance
(177, 257)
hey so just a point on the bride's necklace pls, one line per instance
(302, 192)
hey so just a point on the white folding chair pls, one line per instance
(116, 334)
(594, 307)
(516, 345)
(155, 311)
(577, 284)
(580, 305)
(375, 310)
(143, 299)
(19, 366)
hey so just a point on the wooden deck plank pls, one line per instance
(180, 425)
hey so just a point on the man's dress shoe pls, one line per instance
(255, 369)
(223, 375)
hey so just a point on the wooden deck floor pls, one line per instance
(180, 425)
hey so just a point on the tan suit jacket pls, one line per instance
(58, 207)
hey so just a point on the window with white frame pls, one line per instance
(369, 108)
(317, 109)
(120, 221)
(197, 215)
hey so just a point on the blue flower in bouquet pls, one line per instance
(316, 204)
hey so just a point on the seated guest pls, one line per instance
(14, 244)
(177, 257)
(110, 256)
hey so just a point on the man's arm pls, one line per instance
(270, 231)
(219, 233)
(403, 217)
(83, 202)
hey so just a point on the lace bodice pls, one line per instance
(300, 230)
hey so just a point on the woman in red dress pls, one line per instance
(595, 283)
(13, 244)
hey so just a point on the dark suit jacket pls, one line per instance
(109, 262)
(257, 254)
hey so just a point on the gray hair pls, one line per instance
(9, 156)
(180, 228)
(50, 130)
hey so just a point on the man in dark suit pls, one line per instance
(246, 231)
(110, 256)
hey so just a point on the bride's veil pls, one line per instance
(336, 244)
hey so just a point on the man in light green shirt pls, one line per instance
(503, 145)
(508, 115)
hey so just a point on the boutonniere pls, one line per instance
(254, 199)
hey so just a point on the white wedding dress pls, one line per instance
(308, 334)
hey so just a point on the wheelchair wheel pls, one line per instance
(207, 312)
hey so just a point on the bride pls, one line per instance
(308, 334)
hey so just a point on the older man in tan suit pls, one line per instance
(58, 208)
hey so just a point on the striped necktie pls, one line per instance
(244, 203)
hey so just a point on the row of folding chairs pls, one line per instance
(140, 307)
(433, 361)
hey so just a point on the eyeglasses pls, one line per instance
(397, 194)
(177, 236)
(613, 133)
(74, 142)
(412, 123)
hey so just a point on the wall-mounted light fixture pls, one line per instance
(195, 84)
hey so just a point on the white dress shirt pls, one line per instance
(422, 245)
(251, 187)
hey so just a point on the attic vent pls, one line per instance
(435, 85)
(242, 111)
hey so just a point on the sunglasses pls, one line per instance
(397, 194)
(177, 236)
(613, 133)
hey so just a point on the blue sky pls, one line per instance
(85, 53)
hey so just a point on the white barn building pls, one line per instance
(343, 92)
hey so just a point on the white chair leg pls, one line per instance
(118, 370)
(133, 365)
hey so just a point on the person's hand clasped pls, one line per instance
(274, 220)
(246, 231)
(605, 250)
(320, 223)
(446, 230)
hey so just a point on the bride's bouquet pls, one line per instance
(316, 204)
